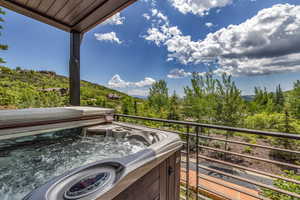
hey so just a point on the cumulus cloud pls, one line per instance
(155, 35)
(138, 92)
(114, 20)
(143, 83)
(111, 37)
(267, 43)
(146, 16)
(198, 7)
(209, 24)
(117, 82)
(178, 73)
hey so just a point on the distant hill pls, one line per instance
(248, 97)
(139, 97)
(21, 88)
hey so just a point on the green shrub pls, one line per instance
(284, 185)
(247, 150)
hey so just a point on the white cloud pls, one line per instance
(155, 35)
(115, 20)
(146, 16)
(198, 7)
(143, 83)
(209, 24)
(117, 82)
(111, 37)
(160, 30)
(138, 92)
(266, 43)
(151, 2)
(178, 73)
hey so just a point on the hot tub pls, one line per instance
(80, 153)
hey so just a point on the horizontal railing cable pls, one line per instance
(232, 187)
(199, 133)
(250, 181)
(249, 144)
(251, 157)
(218, 127)
(247, 169)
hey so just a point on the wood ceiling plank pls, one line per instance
(68, 7)
(82, 9)
(46, 5)
(56, 7)
(20, 8)
(104, 12)
(33, 3)
(24, 2)
(68, 15)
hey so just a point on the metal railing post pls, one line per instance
(197, 162)
(187, 161)
(198, 133)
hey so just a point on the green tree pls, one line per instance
(294, 100)
(127, 106)
(2, 46)
(212, 100)
(174, 108)
(200, 98)
(158, 96)
(229, 102)
(263, 101)
(279, 99)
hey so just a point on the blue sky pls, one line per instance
(169, 39)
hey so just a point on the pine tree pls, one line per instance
(174, 109)
(294, 100)
(279, 99)
(158, 96)
(135, 108)
(2, 47)
(230, 102)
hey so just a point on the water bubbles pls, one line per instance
(24, 168)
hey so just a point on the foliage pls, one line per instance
(158, 97)
(213, 100)
(284, 185)
(174, 110)
(20, 88)
(294, 100)
(247, 149)
(2, 46)
(230, 103)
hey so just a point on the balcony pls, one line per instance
(219, 162)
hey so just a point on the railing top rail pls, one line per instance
(218, 127)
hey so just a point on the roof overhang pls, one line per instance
(68, 15)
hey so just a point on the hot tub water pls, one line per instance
(24, 167)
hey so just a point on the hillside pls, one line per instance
(248, 97)
(21, 88)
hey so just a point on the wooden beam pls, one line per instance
(74, 68)
(96, 16)
(29, 12)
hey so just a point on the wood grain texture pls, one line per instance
(161, 183)
(68, 15)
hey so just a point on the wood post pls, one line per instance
(74, 68)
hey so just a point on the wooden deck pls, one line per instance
(208, 183)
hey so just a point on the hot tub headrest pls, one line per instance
(32, 115)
